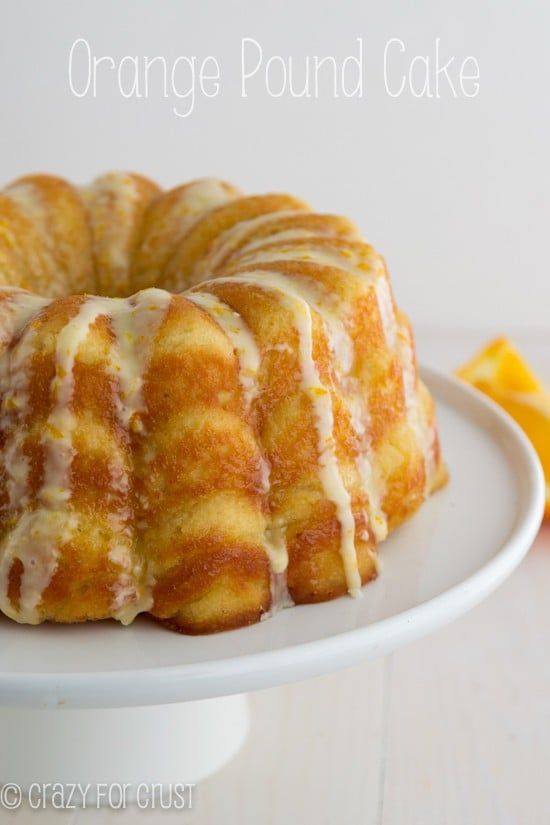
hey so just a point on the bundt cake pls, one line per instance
(210, 405)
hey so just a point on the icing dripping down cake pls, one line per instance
(210, 405)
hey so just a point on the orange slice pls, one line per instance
(500, 372)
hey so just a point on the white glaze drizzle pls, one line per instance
(190, 205)
(15, 313)
(35, 539)
(39, 533)
(395, 334)
(321, 401)
(135, 322)
(248, 356)
(332, 311)
(27, 196)
(115, 236)
(418, 422)
(229, 241)
(204, 194)
(194, 201)
(240, 336)
(398, 339)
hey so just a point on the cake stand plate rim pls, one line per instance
(270, 667)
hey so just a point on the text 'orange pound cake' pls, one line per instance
(236, 435)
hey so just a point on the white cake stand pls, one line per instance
(105, 704)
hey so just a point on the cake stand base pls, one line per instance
(160, 744)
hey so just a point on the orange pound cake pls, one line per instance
(210, 405)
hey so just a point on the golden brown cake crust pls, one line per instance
(210, 404)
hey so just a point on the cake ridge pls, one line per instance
(320, 398)
(248, 355)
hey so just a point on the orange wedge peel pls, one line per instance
(500, 372)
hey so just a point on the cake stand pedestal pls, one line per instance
(102, 704)
(171, 744)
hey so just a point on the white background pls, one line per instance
(455, 192)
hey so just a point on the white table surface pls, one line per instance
(451, 730)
